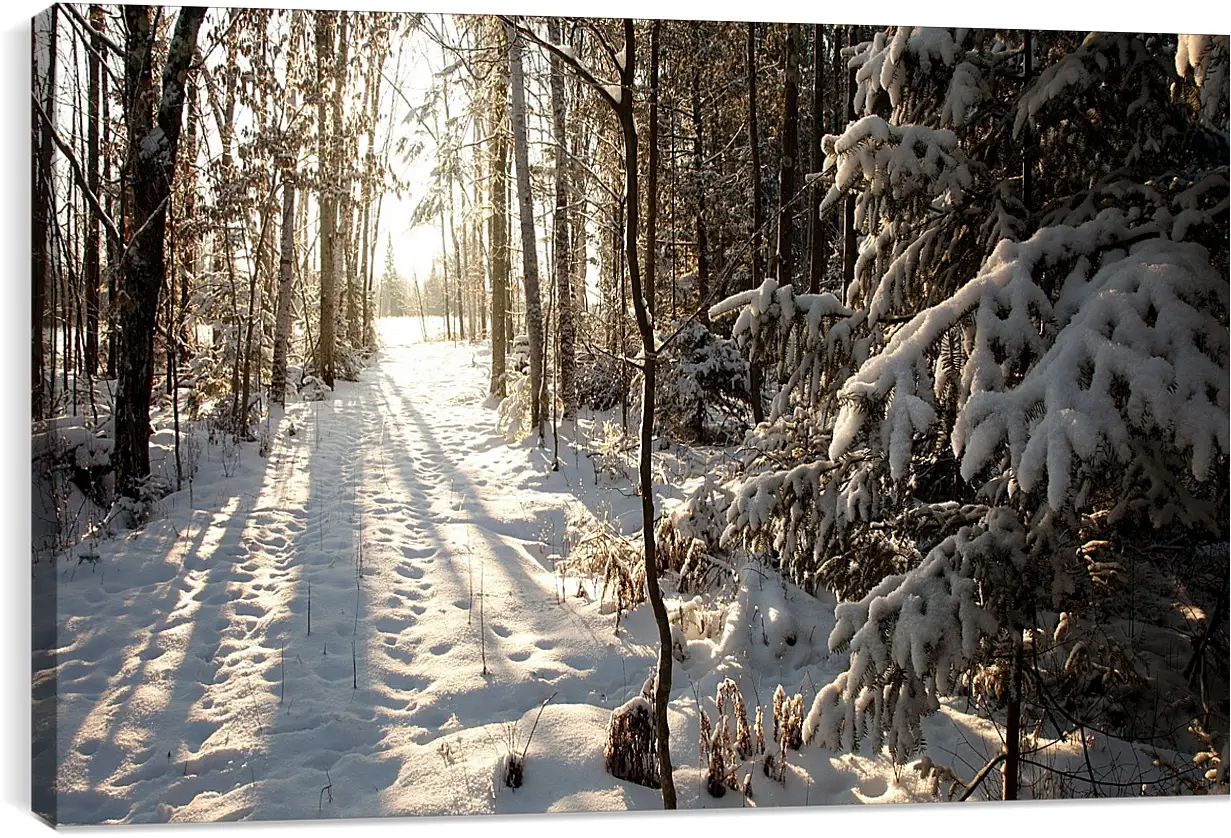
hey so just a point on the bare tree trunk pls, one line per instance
(190, 235)
(850, 243)
(651, 190)
(498, 232)
(153, 142)
(758, 212)
(250, 326)
(662, 690)
(560, 248)
(787, 181)
(480, 259)
(328, 209)
(286, 279)
(1013, 723)
(819, 246)
(525, 204)
(113, 248)
(621, 102)
(93, 260)
(698, 156)
(41, 189)
(343, 249)
(365, 242)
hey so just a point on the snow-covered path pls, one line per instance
(367, 620)
(296, 643)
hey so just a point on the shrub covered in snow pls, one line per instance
(687, 539)
(699, 372)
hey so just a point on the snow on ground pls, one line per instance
(367, 621)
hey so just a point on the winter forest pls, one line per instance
(840, 413)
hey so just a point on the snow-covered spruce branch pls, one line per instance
(1132, 348)
(908, 638)
(1208, 57)
(1144, 354)
(903, 161)
(768, 314)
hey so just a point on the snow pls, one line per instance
(186, 685)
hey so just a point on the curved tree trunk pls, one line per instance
(662, 689)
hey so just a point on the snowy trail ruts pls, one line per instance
(400, 525)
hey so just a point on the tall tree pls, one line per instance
(326, 173)
(850, 241)
(620, 100)
(789, 163)
(755, 375)
(525, 211)
(153, 139)
(651, 186)
(698, 163)
(41, 139)
(498, 232)
(93, 260)
(818, 244)
(286, 278)
(561, 250)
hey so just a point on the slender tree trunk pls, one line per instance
(662, 690)
(498, 221)
(481, 258)
(525, 203)
(254, 306)
(651, 186)
(498, 232)
(1013, 723)
(40, 222)
(560, 247)
(622, 104)
(189, 235)
(153, 141)
(698, 156)
(286, 279)
(755, 375)
(325, 57)
(850, 243)
(344, 249)
(365, 243)
(93, 260)
(787, 180)
(819, 245)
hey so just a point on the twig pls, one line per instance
(535, 726)
(482, 623)
(982, 775)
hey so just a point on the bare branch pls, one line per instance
(78, 173)
(568, 59)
